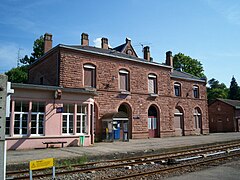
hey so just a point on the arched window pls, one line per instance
(197, 118)
(179, 121)
(124, 80)
(152, 84)
(177, 89)
(195, 91)
(89, 75)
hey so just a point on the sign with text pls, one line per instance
(59, 110)
(41, 164)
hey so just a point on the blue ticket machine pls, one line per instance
(116, 129)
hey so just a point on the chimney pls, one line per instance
(104, 43)
(47, 42)
(128, 40)
(146, 53)
(84, 39)
(169, 58)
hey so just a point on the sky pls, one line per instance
(206, 30)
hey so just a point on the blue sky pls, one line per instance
(207, 30)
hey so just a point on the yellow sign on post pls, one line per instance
(41, 164)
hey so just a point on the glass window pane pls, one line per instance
(33, 117)
(24, 117)
(17, 116)
(149, 123)
(34, 107)
(17, 107)
(24, 130)
(41, 107)
(25, 106)
(79, 108)
(65, 108)
(16, 130)
(71, 108)
(33, 130)
(64, 130)
(40, 130)
(70, 123)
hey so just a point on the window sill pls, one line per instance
(125, 92)
(153, 95)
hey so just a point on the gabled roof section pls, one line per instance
(111, 53)
(186, 76)
(126, 48)
(233, 103)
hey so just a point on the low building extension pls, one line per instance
(224, 116)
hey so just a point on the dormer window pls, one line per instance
(195, 91)
(177, 89)
(89, 75)
(152, 84)
(124, 80)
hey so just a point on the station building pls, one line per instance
(127, 96)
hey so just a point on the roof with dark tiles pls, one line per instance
(233, 103)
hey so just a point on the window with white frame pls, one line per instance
(7, 126)
(82, 123)
(152, 84)
(37, 118)
(89, 75)
(197, 118)
(177, 89)
(67, 118)
(21, 117)
(195, 91)
(123, 80)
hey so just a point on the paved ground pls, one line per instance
(24, 156)
(229, 171)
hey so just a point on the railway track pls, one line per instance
(160, 159)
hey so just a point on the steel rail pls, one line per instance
(175, 168)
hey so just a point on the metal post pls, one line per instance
(53, 171)
(31, 174)
(3, 95)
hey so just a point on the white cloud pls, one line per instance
(97, 42)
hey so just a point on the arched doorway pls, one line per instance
(124, 107)
(179, 121)
(153, 123)
(197, 121)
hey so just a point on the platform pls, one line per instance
(104, 148)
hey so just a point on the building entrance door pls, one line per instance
(152, 127)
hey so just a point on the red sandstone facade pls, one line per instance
(173, 115)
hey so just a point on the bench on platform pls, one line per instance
(55, 142)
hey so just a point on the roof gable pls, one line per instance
(233, 103)
(126, 48)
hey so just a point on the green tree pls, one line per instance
(216, 90)
(38, 51)
(188, 65)
(20, 74)
(234, 90)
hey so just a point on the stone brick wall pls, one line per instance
(46, 68)
(139, 101)
(221, 117)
